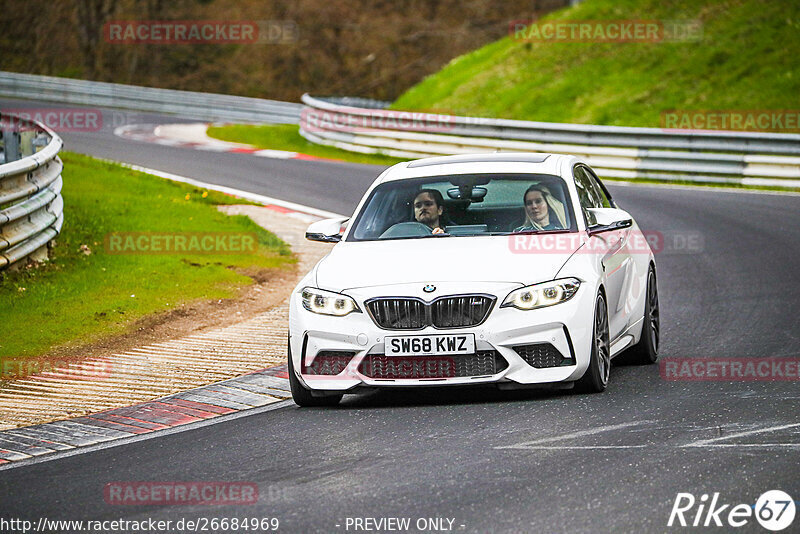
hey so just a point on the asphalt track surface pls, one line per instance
(494, 461)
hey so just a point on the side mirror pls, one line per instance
(327, 230)
(607, 219)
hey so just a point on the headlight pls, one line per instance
(328, 302)
(542, 295)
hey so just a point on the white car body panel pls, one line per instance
(445, 259)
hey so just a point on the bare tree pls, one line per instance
(374, 48)
(91, 15)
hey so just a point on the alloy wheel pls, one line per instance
(602, 350)
(653, 318)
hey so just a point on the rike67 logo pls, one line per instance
(774, 511)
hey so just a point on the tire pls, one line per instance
(645, 352)
(302, 396)
(595, 379)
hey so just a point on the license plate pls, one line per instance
(431, 345)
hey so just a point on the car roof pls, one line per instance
(477, 158)
(505, 162)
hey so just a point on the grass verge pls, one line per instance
(287, 137)
(746, 59)
(85, 293)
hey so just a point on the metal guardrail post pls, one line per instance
(26, 147)
(11, 145)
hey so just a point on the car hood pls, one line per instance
(509, 259)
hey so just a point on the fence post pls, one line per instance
(11, 144)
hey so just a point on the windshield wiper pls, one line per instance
(395, 238)
(443, 234)
(527, 232)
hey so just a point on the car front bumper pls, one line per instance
(566, 326)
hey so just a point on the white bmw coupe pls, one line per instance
(516, 270)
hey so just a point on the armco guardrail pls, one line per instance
(749, 158)
(31, 207)
(189, 104)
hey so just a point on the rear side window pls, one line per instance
(605, 201)
(587, 194)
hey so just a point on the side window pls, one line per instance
(605, 202)
(587, 196)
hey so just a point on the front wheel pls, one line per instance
(646, 350)
(301, 395)
(595, 379)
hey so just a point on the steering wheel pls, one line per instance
(407, 229)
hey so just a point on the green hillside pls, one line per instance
(748, 58)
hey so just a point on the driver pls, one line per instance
(429, 210)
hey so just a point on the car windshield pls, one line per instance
(464, 205)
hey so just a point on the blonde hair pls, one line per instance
(554, 207)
